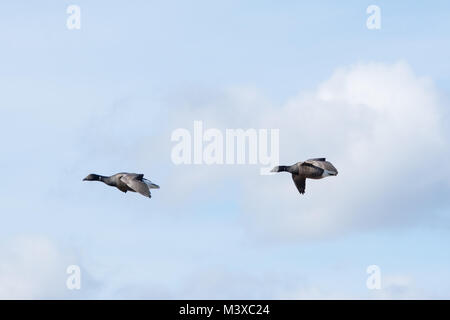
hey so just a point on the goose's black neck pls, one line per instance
(101, 178)
(106, 180)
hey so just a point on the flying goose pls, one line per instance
(317, 168)
(124, 181)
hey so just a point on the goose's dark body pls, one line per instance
(317, 168)
(125, 181)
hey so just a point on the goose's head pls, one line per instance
(93, 177)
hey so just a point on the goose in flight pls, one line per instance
(124, 181)
(317, 168)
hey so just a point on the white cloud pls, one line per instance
(33, 267)
(380, 124)
(398, 287)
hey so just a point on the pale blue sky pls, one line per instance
(105, 99)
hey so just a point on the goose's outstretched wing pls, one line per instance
(134, 181)
(300, 182)
(317, 159)
(322, 164)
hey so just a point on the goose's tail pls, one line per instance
(150, 184)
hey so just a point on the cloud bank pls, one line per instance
(380, 124)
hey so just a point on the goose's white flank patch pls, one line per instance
(327, 173)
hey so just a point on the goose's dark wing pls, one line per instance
(312, 169)
(300, 182)
(134, 181)
(317, 159)
(312, 164)
(325, 165)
